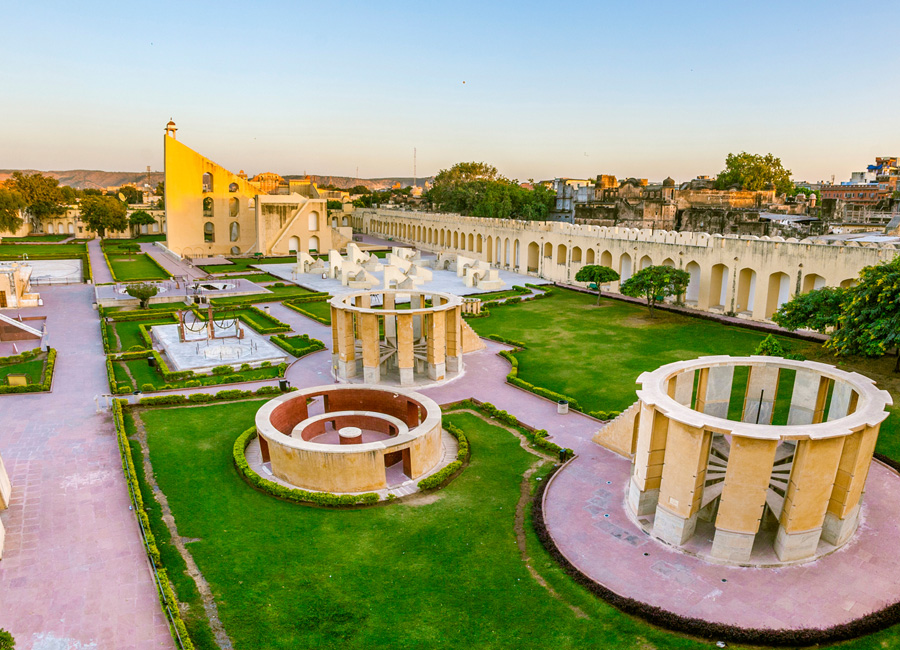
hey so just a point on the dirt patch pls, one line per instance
(422, 499)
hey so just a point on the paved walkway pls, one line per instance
(584, 508)
(174, 267)
(74, 573)
(99, 269)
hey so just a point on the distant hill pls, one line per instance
(92, 178)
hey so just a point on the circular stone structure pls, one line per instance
(345, 439)
(806, 477)
(665, 446)
(410, 347)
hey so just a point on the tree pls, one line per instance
(754, 172)
(7, 642)
(140, 218)
(334, 205)
(655, 283)
(814, 310)
(131, 194)
(160, 188)
(596, 275)
(102, 213)
(142, 291)
(11, 203)
(770, 347)
(42, 195)
(360, 189)
(870, 318)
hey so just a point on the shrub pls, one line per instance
(222, 370)
(770, 347)
(193, 383)
(148, 388)
(7, 642)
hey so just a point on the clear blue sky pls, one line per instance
(537, 89)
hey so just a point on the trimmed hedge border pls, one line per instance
(446, 474)
(150, 257)
(294, 495)
(46, 381)
(314, 345)
(167, 598)
(308, 314)
(537, 437)
(180, 399)
(868, 624)
(263, 297)
(279, 327)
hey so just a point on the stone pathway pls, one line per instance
(74, 573)
(99, 269)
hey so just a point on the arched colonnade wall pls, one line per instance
(745, 275)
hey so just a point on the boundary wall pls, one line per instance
(747, 276)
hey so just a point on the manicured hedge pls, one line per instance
(142, 314)
(513, 378)
(300, 310)
(502, 339)
(179, 399)
(295, 495)
(47, 380)
(537, 437)
(314, 345)
(166, 595)
(446, 474)
(868, 624)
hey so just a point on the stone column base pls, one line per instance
(437, 371)
(407, 377)
(454, 364)
(673, 529)
(346, 369)
(796, 546)
(371, 375)
(731, 546)
(837, 531)
(642, 503)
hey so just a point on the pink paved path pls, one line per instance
(74, 571)
(587, 520)
(99, 270)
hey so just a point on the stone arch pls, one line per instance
(455, 239)
(849, 282)
(209, 232)
(534, 253)
(746, 292)
(232, 187)
(506, 253)
(207, 182)
(590, 258)
(548, 250)
(645, 262)
(471, 246)
(479, 242)
(251, 204)
(314, 244)
(234, 231)
(516, 253)
(313, 221)
(497, 244)
(561, 253)
(779, 292)
(71, 229)
(576, 255)
(345, 221)
(812, 281)
(606, 259)
(443, 234)
(692, 294)
(718, 286)
(669, 262)
(234, 206)
(208, 208)
(334, 221)
(49, 228)
(294, 244)
(490, 249)
(624, 267)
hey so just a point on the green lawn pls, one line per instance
(446, 574)
(278, 294)
(243, 263)
(595, 354)
(320, 308)
(129, 331)
(256, 277)
(35, 251)
(497, 295)
(127, 268)
(36, 238)
(143, 374)
(33, 369)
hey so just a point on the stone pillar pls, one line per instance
(843, 401)
(335, 340)
(649, 455)
(371, 348)
(346, 345)
(350, 436)
(405, 342)
(436, 341)
(390, 322)
(743, 497)
(681, 487)
(804, 397)
(812, 480)
(681, 388)
(415, 302)
(454, 339)
(761, 380)
(842, 515)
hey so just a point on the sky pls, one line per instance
(539, 90)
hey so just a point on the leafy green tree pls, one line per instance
(360, 189)
(816, 310)
(102, 213)
(770, 347)
(656, 283)
(334, 205)
(870, 319)
(477, 189)
(42, 195)
(11, 203)
(7, 642)
(160, 188)
(132, 194)
(596, 275)
(143, 292)
(69, 194)
(140, 218)
(754, 172)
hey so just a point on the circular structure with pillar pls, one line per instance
(375, 341)
(349, 439)
(705, 452)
